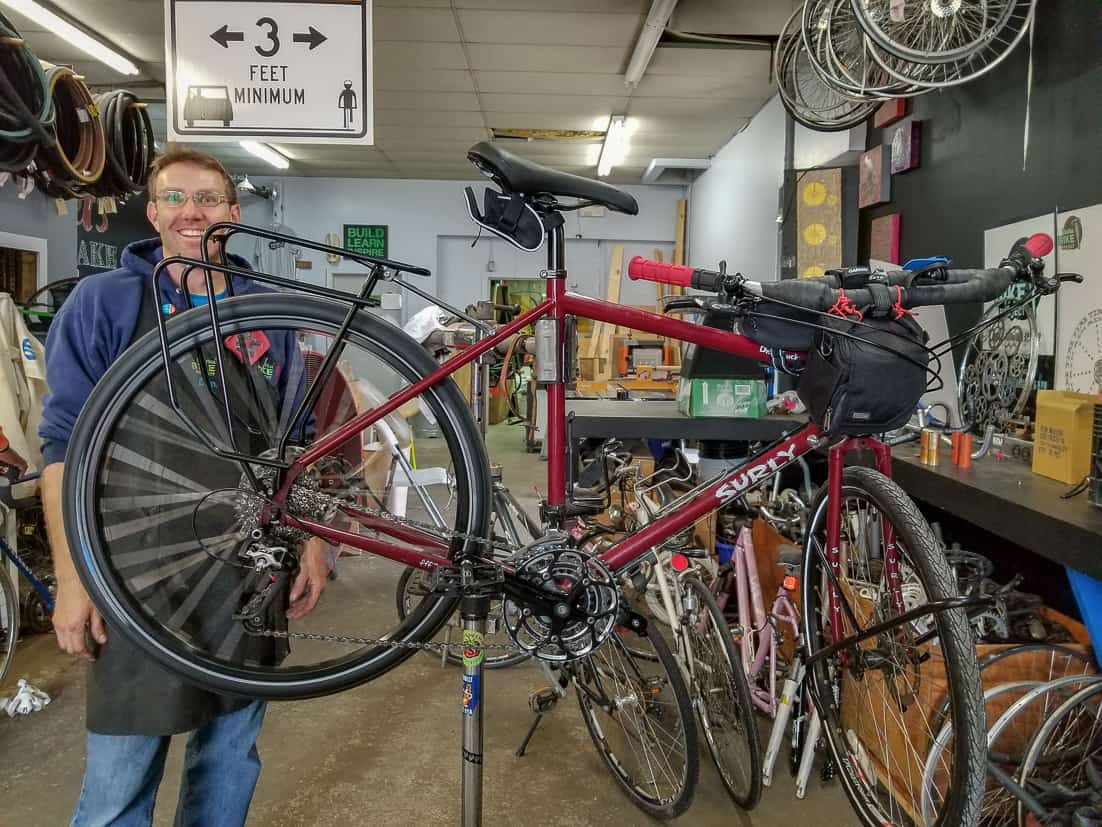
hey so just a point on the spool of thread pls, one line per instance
(964, 459)
(931, 438)
(956, 446)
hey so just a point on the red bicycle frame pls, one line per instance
(424, 550)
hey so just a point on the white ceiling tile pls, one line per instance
(407, 155)
(746, 64)
(405, 4)
(637, 6)
(414, 24)
(555, 83)
(426, 118)
(443, 134)
(441, 80)
(551, 28)
(592, 105)
(429, 101)
(720, 109)
(394, 57)
(539, 120)
(548, 58)
(746, 17)
(702, 86)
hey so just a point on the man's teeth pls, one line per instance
(191, 233)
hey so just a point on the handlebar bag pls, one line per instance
(869, 384)
(778, 331)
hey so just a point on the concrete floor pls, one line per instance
(387, 752)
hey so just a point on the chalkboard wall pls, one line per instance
(971, 175)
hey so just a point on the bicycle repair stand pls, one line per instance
(474, 610)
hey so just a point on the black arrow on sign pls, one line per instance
(224, 36)
(313, 37)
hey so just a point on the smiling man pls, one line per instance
(133, 706)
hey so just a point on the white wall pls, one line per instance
(421, 213)
(827, 149)
(733, 206)
(36, 216)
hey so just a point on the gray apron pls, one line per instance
(129, 694)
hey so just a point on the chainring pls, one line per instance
(578, 623)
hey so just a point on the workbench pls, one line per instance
(1007, 499)
(660, 419)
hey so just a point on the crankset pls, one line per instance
(578, 603)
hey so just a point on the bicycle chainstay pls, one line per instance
(432, 646)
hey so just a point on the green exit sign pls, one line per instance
(366, 239)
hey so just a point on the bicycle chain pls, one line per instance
(393, 644)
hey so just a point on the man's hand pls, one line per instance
(73, 615)
(312, 577)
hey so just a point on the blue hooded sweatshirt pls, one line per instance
(96, 324)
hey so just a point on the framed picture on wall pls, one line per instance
(906, 146)
(884, 238)
(876, 177)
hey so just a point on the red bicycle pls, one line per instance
(198, 468)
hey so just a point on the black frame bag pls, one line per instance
(863, 387)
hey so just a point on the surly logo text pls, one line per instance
(754, 474)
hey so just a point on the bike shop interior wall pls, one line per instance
(971, 176)
(424, 217)
(37, 216)
(733, 205)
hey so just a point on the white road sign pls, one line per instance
(295, 72)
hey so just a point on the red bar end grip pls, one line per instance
(1039, 244)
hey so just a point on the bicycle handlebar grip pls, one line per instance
(1039, 244)
(660, 271)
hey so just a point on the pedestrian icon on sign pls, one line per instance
(347, 102)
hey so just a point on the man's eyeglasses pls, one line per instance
(177, 198)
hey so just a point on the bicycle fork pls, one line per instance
(793, 684)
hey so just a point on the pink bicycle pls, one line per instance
(196, 473)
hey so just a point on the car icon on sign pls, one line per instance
(208, 103)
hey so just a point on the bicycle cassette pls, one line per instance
(580, 620)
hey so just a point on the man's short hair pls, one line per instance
(186, 155)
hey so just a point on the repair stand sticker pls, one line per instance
(471, 689)
(472, 648)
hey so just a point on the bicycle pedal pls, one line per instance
(543, 700)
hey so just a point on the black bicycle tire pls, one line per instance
(672, 809)
(961, 669)
(501, 661)
(100, 412)
(10, 599)
(749, 799)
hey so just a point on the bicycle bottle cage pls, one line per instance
(511, 217)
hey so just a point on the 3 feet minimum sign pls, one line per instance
(296, 72)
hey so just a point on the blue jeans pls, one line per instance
(221, 767)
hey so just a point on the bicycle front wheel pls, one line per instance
(638, 713)
(9, 620)
(166, 529)
(722, 696)
(878, 698)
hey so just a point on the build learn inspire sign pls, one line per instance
(366, 239)
(289, 72)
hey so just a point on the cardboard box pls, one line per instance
(1062, 438)
(743, 398)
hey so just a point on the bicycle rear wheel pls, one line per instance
(877, 698)
(165, 526)
(640, 718)
(722, 696)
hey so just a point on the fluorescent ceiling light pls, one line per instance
(617, 142)
(74, 36)
(266, 153)
(655, 24)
